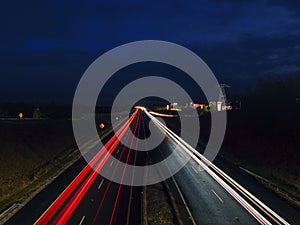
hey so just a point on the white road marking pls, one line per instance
(111, 163)
(221, 200)
(195, 169)
(184, 202)
(218, 175)
(118, 151)
(100, 184)
(81, 221)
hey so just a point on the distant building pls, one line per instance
(174, 106)
(196, 105)
(213, 106)
(220, 105)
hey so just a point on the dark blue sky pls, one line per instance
(47, 45)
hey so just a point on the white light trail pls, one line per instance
(209, 167)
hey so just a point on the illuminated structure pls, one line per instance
(222, 101)
(222, 94)
(195, 105)
(219, 105)
(174, 106)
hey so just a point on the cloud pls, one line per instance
(240, 40)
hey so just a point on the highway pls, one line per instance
(88, 198)
(212, 192)
(203, 192)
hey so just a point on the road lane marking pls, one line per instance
(221, 200)
(81, 221)
(184, 202)
(118, 151)
(195, 169)
(111, 163)
(213, 171)
(100, 184)
(181, 196)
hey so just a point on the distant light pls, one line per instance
(195, 105)
(161, 114)
(101, 125)
(226, 107)
(140, 107)
(219, 105)
(21, 115)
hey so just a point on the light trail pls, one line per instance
(108, 186)
(274, 216)
(120, 185)
(52, 209)
(83, 181)
(131, 188)
(162, 114)
(49, 213)
(72, 204)
(193, 153)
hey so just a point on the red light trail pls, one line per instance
(109, 184)
(97, 163)
(120, 185)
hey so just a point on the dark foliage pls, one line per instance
(265, 133)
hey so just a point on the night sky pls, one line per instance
(47, 45)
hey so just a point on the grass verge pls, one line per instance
(44, 174)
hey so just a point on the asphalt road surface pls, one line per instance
(80, 195)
